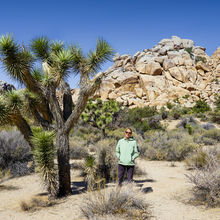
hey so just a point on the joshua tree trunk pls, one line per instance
(63, 164)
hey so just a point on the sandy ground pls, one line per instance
(170, 194)
(166, 186)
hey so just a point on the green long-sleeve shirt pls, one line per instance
(127, 151)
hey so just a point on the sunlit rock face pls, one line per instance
(174, 68)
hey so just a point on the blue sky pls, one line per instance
(129, 26)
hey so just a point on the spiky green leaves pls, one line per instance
(8, 46)
(17, 60)
(91, 63)
(4, 112)
(99, 113)
(44, 152)
(40, 47)
(102, 54)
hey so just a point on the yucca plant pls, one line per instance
(90, 171)
(44, 153)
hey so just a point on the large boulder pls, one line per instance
(150, 68)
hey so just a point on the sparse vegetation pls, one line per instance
(14, 153)
(170, 145)
(206, 182)
(35, 204)
(123, 202)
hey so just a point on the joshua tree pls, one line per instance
(99, 114)
(57, 62)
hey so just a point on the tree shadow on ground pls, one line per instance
(78, 187)
(145, 181)
(8, 188)
(140, 184)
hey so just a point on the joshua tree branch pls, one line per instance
(87, 89)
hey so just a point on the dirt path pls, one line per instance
(170, 190)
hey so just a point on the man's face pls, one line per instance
(128, 134)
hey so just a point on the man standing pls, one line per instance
(126, 151)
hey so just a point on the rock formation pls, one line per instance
(174, 68)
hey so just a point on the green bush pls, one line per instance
(139, 118)
(200, 107)
(189, 50)
(199, 58)
(189, 129)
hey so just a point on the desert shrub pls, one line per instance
(170, 105)
(189, 124)
(215, 117)
(170, 145)
(189, 50)
(201, 106)
(126, 202)
(78, 148)
(138, 118)
(106, 159)
(199, 58)
(87, 133)
(213, 134)
(36, 203)
(101, 165)
(206, 183)
(164, 113)
(15, 153)
(175, 113)
(208, 126)
(115, 133)
(202, 116)
(198, 159)
(217, 102)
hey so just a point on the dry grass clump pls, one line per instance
(172, 145)
(36, 203)
(206, 182)
(127, 202)
(78, 148)
(198, 159)
(14, 153)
